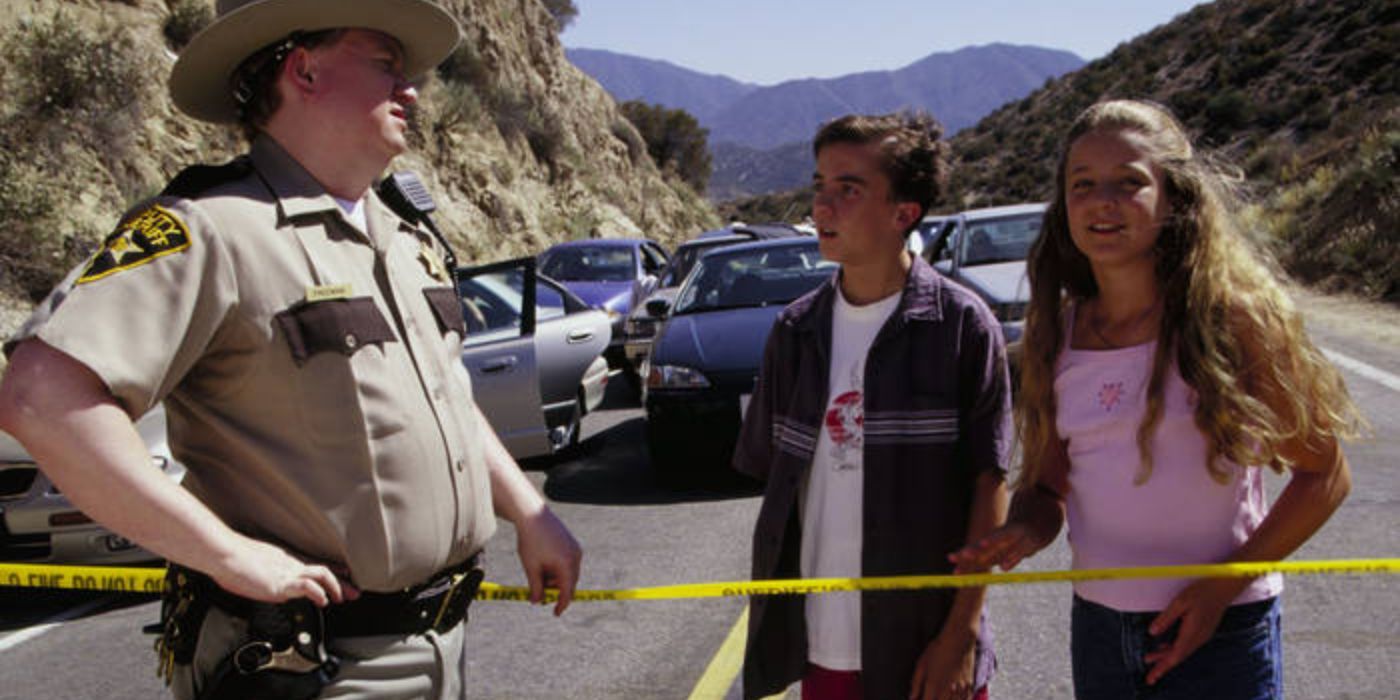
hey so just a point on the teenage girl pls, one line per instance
(1164, 364)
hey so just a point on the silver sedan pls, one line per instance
(534, 351)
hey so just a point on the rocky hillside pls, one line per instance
(518, 146)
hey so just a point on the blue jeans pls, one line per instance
(1243, 660)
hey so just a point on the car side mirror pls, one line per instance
(658, 308)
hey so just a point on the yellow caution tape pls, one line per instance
(147, 580)
(490, 591)
(83, 578)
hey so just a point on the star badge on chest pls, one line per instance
(433, 263)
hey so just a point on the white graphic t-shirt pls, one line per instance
(833, 502)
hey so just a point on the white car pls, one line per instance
(985, 250)
(39, 526)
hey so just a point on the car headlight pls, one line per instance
(676, 377)
(1010, 311)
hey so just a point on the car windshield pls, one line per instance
(589, 264)
(753, 277)
(685, 259)
(1004, 239)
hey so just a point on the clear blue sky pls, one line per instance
(769, 41)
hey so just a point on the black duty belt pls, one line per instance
(439, 604)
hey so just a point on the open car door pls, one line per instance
(498, 303)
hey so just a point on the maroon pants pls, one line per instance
(822, 683)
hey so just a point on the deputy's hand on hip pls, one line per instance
(265, 572)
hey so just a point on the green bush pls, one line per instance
(626, 133)
(72, 89)
(546, 136)
(187, 18)
(34, 250)
(1228, 110)
(466, 65)
(510, 111)
(63, 68)
(675, 140)
(457, 105)
(563, 11)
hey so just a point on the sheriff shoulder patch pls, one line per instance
(153, 233)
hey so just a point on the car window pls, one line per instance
(490, 302)
(549, 303)
(652, 260)
(759, 277)
(685, 258)
(987, 241)
(589, 264)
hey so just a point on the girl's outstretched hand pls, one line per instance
(1197, 609)
(1005, 547)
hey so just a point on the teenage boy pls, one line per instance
(881, 424)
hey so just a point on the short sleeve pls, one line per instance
(986, 392)
(145, 307)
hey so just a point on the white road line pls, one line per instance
(28, 633)
(1375, 374)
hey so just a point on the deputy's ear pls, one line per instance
(300, 69)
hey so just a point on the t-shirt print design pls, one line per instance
(1110, 395)
(845, 422)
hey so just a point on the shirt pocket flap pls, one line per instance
(336, 325)
(447, 307)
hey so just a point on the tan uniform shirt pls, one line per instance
(311, 371)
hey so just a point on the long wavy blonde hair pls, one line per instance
(1231, 328)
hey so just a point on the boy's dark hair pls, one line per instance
(254, 81)
(915, 157)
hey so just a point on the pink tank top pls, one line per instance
(1180, 515)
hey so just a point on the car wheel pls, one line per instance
(568, 441)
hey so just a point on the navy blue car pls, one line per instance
(704, 361)
(612, 274)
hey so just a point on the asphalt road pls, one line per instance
(1342, 633)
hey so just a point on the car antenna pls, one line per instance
(409, 198)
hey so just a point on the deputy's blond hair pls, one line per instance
(1232, 330)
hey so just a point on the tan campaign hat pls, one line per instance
(199, 83)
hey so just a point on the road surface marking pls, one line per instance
(1375, 374)
(724, 668)
(28, 633)
(719, 676)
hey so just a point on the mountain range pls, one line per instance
(747, 121)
